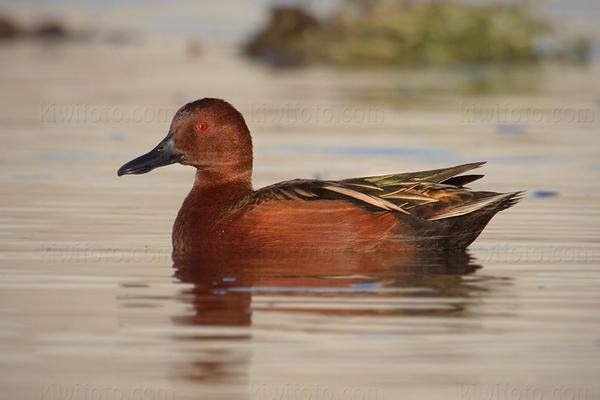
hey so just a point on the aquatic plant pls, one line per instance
(379, 32)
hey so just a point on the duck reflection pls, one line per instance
(227, 289)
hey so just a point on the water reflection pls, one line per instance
(228, 289)
(292, 294)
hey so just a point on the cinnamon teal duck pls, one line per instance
(415, 210)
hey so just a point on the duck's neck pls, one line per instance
(214, 191)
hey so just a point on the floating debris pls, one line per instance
(545, 193)
(511, 129)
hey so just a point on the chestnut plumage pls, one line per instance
(396, 212)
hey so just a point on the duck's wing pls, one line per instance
(432, 195)
(443, 175)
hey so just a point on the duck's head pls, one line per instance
(209, 134)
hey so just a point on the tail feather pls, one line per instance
(459, 231)
(513, 199)
(461, 180)
(499, 202)
(431, 176)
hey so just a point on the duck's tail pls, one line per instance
(464, 229)
(459, 227)
(495, 202)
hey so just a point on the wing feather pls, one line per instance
(373, 200)
(432, 195)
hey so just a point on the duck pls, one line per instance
(432, 210)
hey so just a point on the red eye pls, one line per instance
(201, 126)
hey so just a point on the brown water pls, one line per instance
(91, 306)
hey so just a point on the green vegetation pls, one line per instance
(379, 32)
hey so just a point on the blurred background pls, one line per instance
(411, 83)
(330, 89)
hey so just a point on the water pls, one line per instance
(93, 307)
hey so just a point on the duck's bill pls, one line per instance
(163, 154)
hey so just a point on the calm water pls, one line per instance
(92, 307)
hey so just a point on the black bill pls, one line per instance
(163, 154)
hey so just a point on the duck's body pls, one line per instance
(395, 212)
(427, 209)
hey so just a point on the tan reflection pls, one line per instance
(227, 289)
(224, 285)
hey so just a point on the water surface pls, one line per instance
(91, 305)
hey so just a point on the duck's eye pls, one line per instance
(201, 126)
